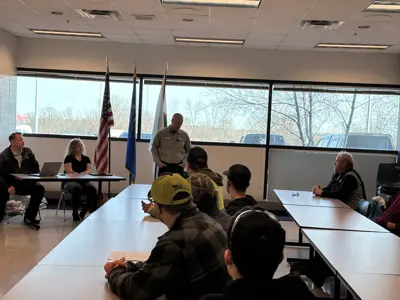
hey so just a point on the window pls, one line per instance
(70, 106)
(356, 118)
(223, 112)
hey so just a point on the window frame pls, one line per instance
(271, 85)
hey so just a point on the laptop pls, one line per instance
(49, 169)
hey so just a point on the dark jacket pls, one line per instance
(285, 288)
(237, 204)
(9, 165)
(347, 187)
(216, 177)
(186, 263)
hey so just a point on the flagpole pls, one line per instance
(134, 82)
(109, 144)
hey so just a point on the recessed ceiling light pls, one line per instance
(353, 46)
(208, 41)
(225, 3)
(383, 7)
(67, 33)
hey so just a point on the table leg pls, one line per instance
(336, 294)
(311, 252)
(349, 296)
(300, 237)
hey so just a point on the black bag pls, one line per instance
(370, 209)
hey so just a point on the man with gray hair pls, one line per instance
(346, 184)
(170, 147)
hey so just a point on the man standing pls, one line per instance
(170, 147)
(346, 184)
(19, 159)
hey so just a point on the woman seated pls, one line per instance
(76, 162)
(255, 249)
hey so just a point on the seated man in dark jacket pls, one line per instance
(346, 184)
(255, 249)
(187, 261)
(19, 159)
(238, 181)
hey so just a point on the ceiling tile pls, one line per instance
(274, 25)
(340, 10)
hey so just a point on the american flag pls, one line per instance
(106, 121)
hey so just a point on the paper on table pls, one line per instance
(129, 255)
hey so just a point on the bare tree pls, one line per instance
(193, 108)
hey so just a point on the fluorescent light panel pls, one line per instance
(208, 41)
(353, 46)
(67, 33)
(383, 7)
(225, 3)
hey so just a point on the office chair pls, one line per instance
(388, 178)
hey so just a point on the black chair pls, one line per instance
(388, 178)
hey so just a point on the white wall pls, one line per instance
(289, 169)
(8, 86)
(301, 170)
(230, 62)
(220, 159)
(8, 53)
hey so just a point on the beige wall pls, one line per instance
(230, 62)
(220, 159)
(8, 86)
(8, 53)
(289, 169)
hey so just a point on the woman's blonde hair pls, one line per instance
(73, 145)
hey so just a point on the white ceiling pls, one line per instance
(272, 26)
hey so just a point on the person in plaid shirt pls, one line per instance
(187, 261)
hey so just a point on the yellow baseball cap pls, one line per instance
(166, 187)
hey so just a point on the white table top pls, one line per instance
(372, 286)
(307, 199)
(62, 283)
(119, 225)
(68, 177)
(358, 252)
(331, 218)
(137, 191)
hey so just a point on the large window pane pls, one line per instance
(335, 117)
(70, 106)
(213, 111)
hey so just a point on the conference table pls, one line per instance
(367, 286)
(354, 247)
(303, 198)
(74, 268)
(71, 177)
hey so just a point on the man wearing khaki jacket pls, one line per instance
(170, 147)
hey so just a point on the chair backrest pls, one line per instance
(388, 173)
(364, 207)
(369, 209)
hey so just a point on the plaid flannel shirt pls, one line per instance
(186, 263)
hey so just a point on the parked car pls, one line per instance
(260, 138)
(375, 141)
(144, 136)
